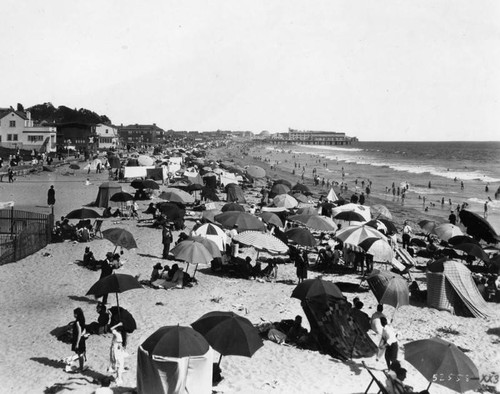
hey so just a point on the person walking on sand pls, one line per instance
(388, 343)
(486, 209)
(79, 337)
(51, 196)
(166, 240)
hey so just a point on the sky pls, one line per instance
(378, 70)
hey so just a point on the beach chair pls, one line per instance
(97, 227)
(407, 262)
(382, 388)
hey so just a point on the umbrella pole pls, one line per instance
(220, 359)
(427, 386)
(118, 307)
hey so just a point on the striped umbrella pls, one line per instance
(315, 222)
(262, 241)
(285, 201)
(354, 235)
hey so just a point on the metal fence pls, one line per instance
(23, 233)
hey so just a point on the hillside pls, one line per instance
(46, 112)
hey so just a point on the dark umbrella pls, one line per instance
(277, 189)
(232, 206)
(144, 184)
(243, 220)
(271, 218)
(462, 239)
(114, 283)
(313, 288)
(478, 226)
(301, 236)
(473, 250)
(300, 187)
(349, 216)
(391, 227)
(175, 341)
(283, 182)
(229, 334)
(171, 210)
(443, 363)
(120, 237)
(123, 316)
(83, 213)
(121, 197)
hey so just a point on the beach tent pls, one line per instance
(337, 333)
(235, 193)
(106, 190)
(170, 375)
(450, 287)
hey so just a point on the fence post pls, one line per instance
(11, 221)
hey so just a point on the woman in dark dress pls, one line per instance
(78, 339)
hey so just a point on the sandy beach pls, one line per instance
(40, 292)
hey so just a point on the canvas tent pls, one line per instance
(235, 193)
(168, 375)
(451, 288)
(335, 329)
(106, 190)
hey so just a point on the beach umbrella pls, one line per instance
(478, 227)
(427, 225)
(377, 225)
(192, 252)
(283, 182)
(354, 235)
(473, 249)
(144, 160)
(271, 218)
(285, 201)
(83, 213)
(123, 316)
(316, 288)
(114, 283)
(277, 189)
(380, 211)
(389, 288)
(121, 197)
(261, 241)
(256, 172)
(171, 210)
(144, 184)
(446, 231)
(349, 216)
(229, 334)
(308, 211)
(300, 187)
(209, 215)
(462, 239)
(74, 166)
(301, 236)
(315, 222)
(132, 163)
(233, 206)
(391, 227)
(361, 209)
(243, 220)
(175, 341)
(211, 246)
(300, 197)
(120, 237)
(114, 162)
(212, 232)
(443, 363)
(378, 248)
(176, 195)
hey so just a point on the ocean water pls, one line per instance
(444, 164)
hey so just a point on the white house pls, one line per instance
(108, 136)
(18, 131)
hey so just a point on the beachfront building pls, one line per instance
(107, 136)
(77, 137)
(141, 135)
(311, 137)
(19, 131)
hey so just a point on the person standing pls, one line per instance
(78, 338)
(51, 196)
(11, 175)
(406, 235)
(166, 240)
(117, 352)
(301, 265)
(107, 268)
(388, 342)
(452, 218)
(486, 209)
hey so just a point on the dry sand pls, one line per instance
(40, 292)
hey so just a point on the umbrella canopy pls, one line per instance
(120, 237)
(381, 211)
(361, 209)
(316, 288)
(144, 184)
(462, 239)
(271, 218)
(283, 182)
(213, 233)
(114, 162)
(349, 216)
(427, 225)
(120, 314)
(243, 220)
(256, 172)
(473, 249)
(211, 246)
(478, 226)
(144, 160)
(300, 187)
(389, 288)
(315, 222)
(301, 236)
(354, 235)
(378, 248)
(443, 363)
(176, 195)
(229, 334)
(262, 241)
(300, 197)
(446, 231)
(232, 206)
(175, 341)
(285, 201)
(209, 215)
(83, 213)
(114, 283)
(192, 252)
(121, 197)
(277, 189)
(377, 225)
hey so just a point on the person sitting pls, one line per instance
(297, 334)
(117, 213)
(271, 270)
(416, 294)
(375, 324)
(160, 221)
(107, 213)
(256, 271)
(83, 234)
(360, 317)
(325, 257)
(175, 279)
(152, 210)
(57, 233)
(89, 260)
(155, 275)
(67, 230)
(101, 325)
